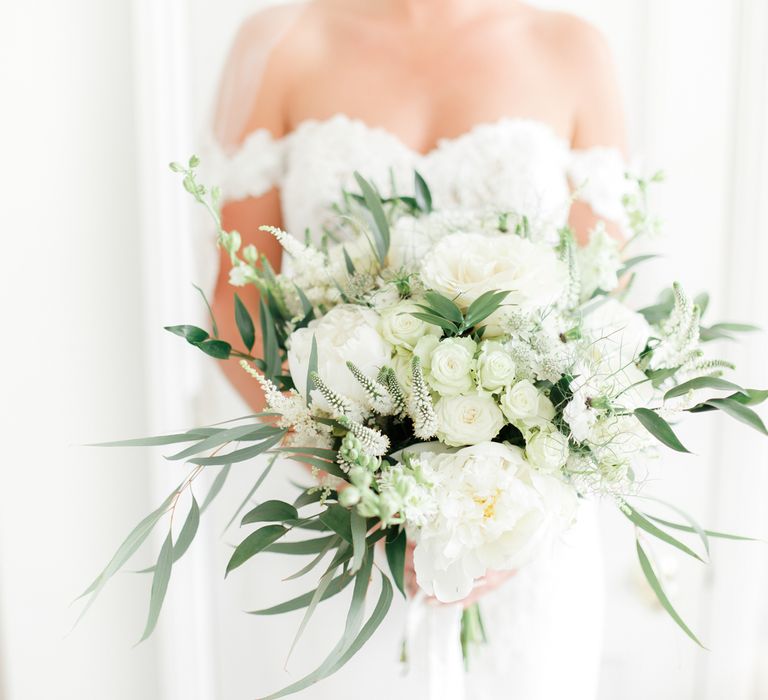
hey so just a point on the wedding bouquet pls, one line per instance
(455, 379)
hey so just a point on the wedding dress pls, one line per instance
(544, 625)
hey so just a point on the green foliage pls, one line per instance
(443, 312)
(422, 196)
(160, 581)
(253, 544)
(244, 324)
(641, 521)
(395, 549)
(380, 228)
(271, 512)
(659, 428)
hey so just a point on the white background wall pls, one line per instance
(97, 97)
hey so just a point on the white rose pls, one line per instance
(484, 508)
(523, 404)
(451, 366)
(345, 334)
(495, 367)
(467, 420)
(465, 265)
(618, 335)
(547, 450)
(400, 327)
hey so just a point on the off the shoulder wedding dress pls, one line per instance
(545, 623)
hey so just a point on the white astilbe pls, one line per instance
(373, 442)
(294, 413)
(420, 405)
(679, 341)
(305, 257)
(379, 400)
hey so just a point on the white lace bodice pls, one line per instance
(511, 164)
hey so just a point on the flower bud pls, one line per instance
(349, 497)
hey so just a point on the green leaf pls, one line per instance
(334, 542)
(348, 262)
(155, 441)
(444, 307)
(659, 428)
(634, 262)
(338, 519)
(482, 307)
(271, 512)
(655, 584)
(336, 586)
(242, 454)
(124, 552)
(269, 341)
(217, 349)
(359, 530)
(708, 533)
(750, 397)
(302, 547)
(702, 301)
(380, 223)
(307, 497)
(253, 544)
(422, 195)
(210, 311)
(160, 581)
(187, 534)
(216, 487)
(435, 320)
(329, 467)
(311, 371)
(253, 431)
(642, 522)
(253, 490)
(395, 549)
(740, 412)
(192, 334)
(701, 383)
(244, 324)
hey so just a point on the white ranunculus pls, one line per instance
(485, 509)
(465, 265)
(451, 366)
(495, 367)
(345, 334)
(467, 420)
(524, 405)
(400, 327)
(547, 450)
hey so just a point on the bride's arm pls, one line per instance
(598, 113)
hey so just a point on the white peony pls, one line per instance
(400, 327)
(468, 420)
(547, 450)
(451, 366)
(465, 265)
(525, 406)
(495, 367)
(345, 334)
(488, 511)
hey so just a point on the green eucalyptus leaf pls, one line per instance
(157, 441)
(335, 586)
(701, 383)
(642, 522)
(253, 490)
(659, 428)
(395, 549)
(253, 431)
(359, 530)
(422, 195)
(242, 454)
(338, 519)
(302, 547)
(271, 512)
(740, 412)
(244, 324)
(186, 535)
(192, 334)
(634, 262)
(160, 579)
(216, 486)
(253, 544)
(269, 341)
(655, 584)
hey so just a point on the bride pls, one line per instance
(497, 104)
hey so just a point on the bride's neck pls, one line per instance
(427, 10)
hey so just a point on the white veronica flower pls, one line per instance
(467, 420)
(462, 266)
(345, 334)
(489, 510)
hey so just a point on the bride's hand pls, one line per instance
(489, 582)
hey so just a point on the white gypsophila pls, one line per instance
(547, 449)
(451, 365)
(599, 262)
(526, 407)
(385, 296)
(462, 266)
(495, 367)
(345, 334)
(467, 420)
(400, 327)
(490, 511)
